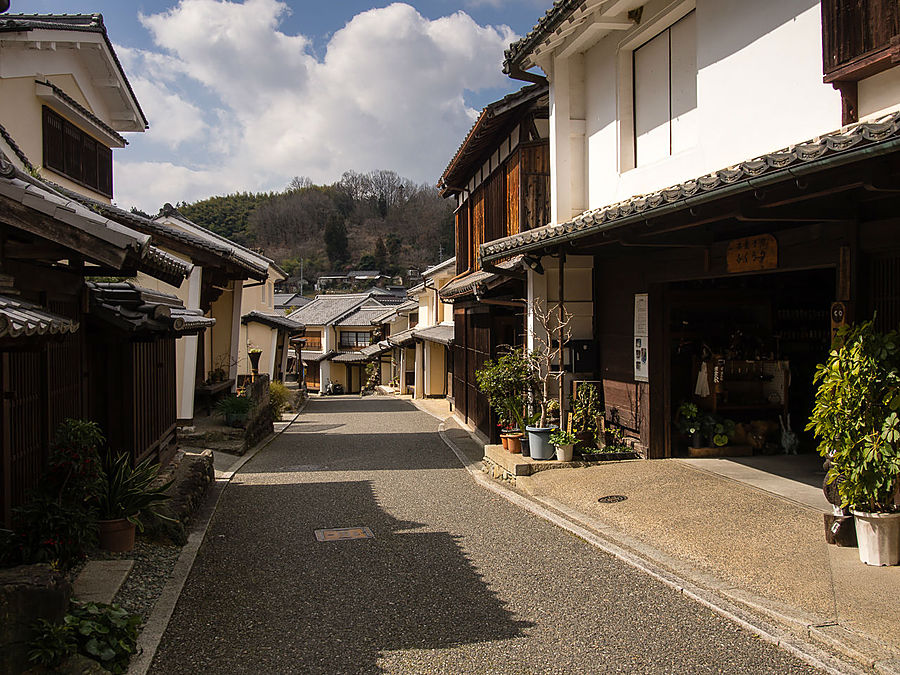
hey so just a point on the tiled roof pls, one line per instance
(84, 111)
(350, 357)
(140, 310)
(274, 321)
(551, 20)
(172, 235)
(376, 349)
(315, 357)
(362, 316)
(325, 309)
(406, 306)
(90, 23)
(481, 139)
(19, 318)
(402, 338)
(61, 205)
(434, 269)
(11, 142)
(844, 146)
(255, 258)
(466, 285)
(442, 333)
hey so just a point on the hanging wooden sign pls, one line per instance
(751, 254)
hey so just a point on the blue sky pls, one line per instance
(244, 95)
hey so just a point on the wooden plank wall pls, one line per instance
(463, 252)
(852, 29)
(513, 195)
(535, 180)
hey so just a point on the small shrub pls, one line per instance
(234, 405)
(73, 467)
(127, 490)
(53, 531)
(52, 644)
(279, 398)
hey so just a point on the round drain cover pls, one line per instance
(612, 499)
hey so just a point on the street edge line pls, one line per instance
(804, 651)
(155, 627)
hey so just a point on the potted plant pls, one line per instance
(856, 423)
(234, 409)
(126, 492)
(564, 442)
(506, 382)
(688, 423)
(716, 429)
(587, 409)
(547, 354)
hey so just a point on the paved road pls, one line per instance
(455, 580)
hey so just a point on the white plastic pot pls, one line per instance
(878, 535)
(564, 452)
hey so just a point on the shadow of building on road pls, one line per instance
(266, 596)
(360, 404)
(374, 451)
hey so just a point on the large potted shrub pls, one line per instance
(506, 382)
(125, 493)
(856, 423)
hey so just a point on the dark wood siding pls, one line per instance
(463, 253)
(855, 29)
(535, 179)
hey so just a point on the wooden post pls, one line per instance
(559, 332)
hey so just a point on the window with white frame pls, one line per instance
(665, 92)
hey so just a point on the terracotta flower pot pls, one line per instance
(504, 440)
(117, 535)
(515, 443)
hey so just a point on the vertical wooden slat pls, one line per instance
(513, 197)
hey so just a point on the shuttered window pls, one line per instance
(665, 92)
(76, 155)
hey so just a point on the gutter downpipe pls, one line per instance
(516, 73)
(742, 186)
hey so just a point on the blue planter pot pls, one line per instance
(539, 444)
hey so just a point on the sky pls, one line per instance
(246, 94)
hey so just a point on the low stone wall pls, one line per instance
(28, 593)
(260, 422)
(496, 471)
(193, 473)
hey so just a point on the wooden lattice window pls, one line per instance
(74, 154)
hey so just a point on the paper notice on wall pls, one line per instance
(641, 331)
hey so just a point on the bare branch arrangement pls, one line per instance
(556, 323)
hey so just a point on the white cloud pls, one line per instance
(388, 93)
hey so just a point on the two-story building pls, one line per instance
(500, 179)
(722, 218)
(68, 348)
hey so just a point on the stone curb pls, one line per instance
(742, 611)
(158, 621)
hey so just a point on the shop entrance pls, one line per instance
(744, 351)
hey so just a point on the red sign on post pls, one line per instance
(751, 254)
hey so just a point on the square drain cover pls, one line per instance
(340, 533)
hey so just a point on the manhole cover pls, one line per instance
(612, 499)
(341, 533)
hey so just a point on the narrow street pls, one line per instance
(455, 579)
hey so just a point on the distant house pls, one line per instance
(338, 328)
(288, 302)
(354, 279)
(433, 332)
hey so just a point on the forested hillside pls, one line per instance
(375, 220)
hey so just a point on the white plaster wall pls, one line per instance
(759, 88)
(879, 94)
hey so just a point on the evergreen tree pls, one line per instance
(380, 254)
(335, 236)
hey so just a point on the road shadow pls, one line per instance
(359, 452)
(360, 404)
(265, 596)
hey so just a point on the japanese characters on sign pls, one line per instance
(752, 253)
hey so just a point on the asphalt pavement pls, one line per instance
(455, 579)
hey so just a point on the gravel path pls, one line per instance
(455, 580)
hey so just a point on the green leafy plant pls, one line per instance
(279, 398)
(688, 418)
(615, 440)
(506, 382)
(561, 437)
(719, 430)
(234, 405)
(587, 408)
(855, 416)
(52, 643)
(50, 530)
(106, 633)
(127, 491)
